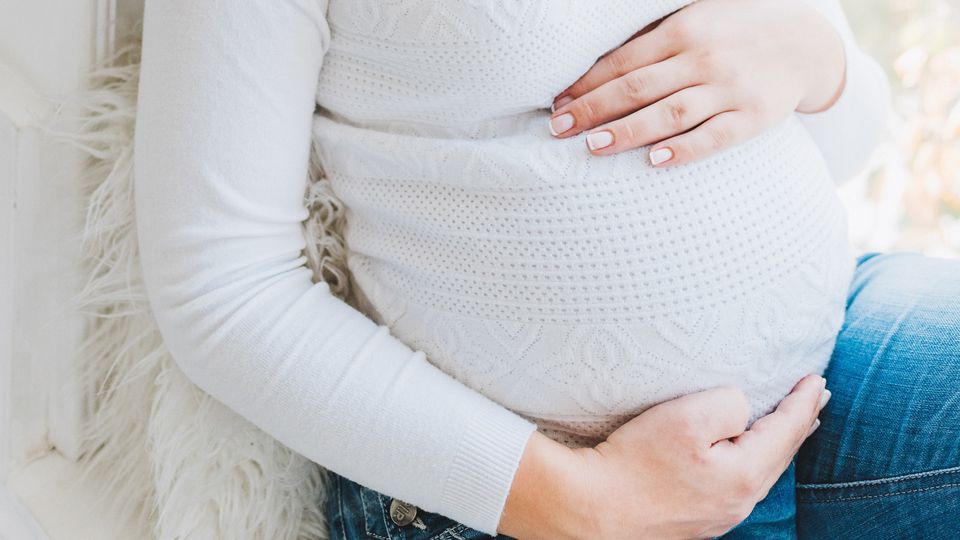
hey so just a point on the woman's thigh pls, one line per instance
(885, 462)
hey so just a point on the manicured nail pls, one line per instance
(661, 155)
(560, 103)
(824, 398)
(561, 123)
(600, 139)
(816, 424)
(823, 383)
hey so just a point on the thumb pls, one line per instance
(775, 438)
(708, 416)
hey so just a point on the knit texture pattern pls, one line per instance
(510, 281)
(575, 290)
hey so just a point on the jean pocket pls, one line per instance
(921, 505)
(880, 488)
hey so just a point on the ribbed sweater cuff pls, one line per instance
(484, 465)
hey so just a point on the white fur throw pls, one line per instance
(173, 459)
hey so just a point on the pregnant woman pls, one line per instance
(559, 336)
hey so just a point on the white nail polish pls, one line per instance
(661, 155)
(561, 123)
(816, 424)
(600, 139)
(825, 397)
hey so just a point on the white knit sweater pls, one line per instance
(514, 281)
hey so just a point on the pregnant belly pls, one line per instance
(579, 290)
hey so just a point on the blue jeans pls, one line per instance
(885, 462)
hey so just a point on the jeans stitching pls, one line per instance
(384, 514)
(881, 481)
(363, 506)
(882, 495)
(449, 531)
(343, 528)
(452, 531)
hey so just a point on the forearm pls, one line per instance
(827, 62)
(222, 143)
(549, 497)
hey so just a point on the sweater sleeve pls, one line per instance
(222, 145)
(849, 131)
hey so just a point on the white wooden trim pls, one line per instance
(41, 216)
(16, 522)
(112, 22)
(67, 505)
(19, 103)
(105, 30)
(22, 409)
(23, 389)
(40, 221)
(7, 196)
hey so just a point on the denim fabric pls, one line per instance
(885, 462)
(355, 511)
(773, 518)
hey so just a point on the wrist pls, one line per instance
(829, 67)
(549, 496)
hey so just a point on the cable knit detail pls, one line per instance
(579, 296)
(575, 290)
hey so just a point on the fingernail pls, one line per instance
(561, 123)
(560, 103)
(661, 155)
(600, 139)
(823, 383)
(816, 424)
(824, 398)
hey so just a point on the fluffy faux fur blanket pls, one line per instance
(173, 459)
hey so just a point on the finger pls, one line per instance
(824, 398)
(622, 96)
(644, 30)
(670, 116)
(775, 438)
(722, 131)
(648, 48)
(708, 416)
